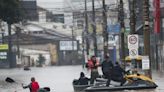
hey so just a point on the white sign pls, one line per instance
(42, 16)
(132, 41)
(133, 53)
(3, 55)
(111, 40)
(68, 45)
(145, 63)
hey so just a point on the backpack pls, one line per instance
(34, 86)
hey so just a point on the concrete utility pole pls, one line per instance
(18, 31)
(86, 29)
(132, 4)
(10, 52)
(105, 33)
(146, 33)
(121, 20)
(94, 28)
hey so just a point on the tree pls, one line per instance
(10, 12)
(41, 60)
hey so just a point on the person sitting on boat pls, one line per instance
(93, 64)
(83, 80)
(118, 74)
(107, 67)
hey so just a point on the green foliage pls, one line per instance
(10, 11)
(41, 59)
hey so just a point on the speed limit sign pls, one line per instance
(133, 41)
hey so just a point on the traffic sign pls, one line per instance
(145, 63)
(133, 53)
(133, 41)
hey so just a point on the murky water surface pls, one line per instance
(59, 79)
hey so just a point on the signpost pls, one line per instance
(3, 52)
(133, 46)
(68, 45)
(145, 63)
(133, 53)
(132, 41)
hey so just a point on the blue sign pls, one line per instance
(115, 29)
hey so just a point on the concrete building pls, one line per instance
(52, 40)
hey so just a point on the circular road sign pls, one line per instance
(132, 39)
(133, 52)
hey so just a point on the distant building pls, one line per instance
(49, 39)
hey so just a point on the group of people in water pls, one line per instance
(110, 71)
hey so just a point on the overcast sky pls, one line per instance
(61, 3)
(50, 3)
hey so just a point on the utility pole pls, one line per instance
(146, 32)
(94, 28)
(18, 35)
(121, 19)
(72, 39)
(105, 33)
(10, 52)
(86, 30)
(132, 16)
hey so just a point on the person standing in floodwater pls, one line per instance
(93, 64)
(107, 69)
(33, 86)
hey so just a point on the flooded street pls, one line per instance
(58, 78)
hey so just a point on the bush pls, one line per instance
(41, 60)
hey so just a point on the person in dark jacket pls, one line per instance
(107, 67)
(83, 80)
(33, 86)
(118, 74)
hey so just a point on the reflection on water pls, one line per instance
(59, 79)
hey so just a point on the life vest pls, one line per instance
(91, 65)
(34, 86)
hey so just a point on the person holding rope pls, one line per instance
(93, 65)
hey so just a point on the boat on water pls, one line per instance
(134, 82)
(79, 88)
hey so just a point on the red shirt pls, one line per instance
(34, 86)
(91, 64)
